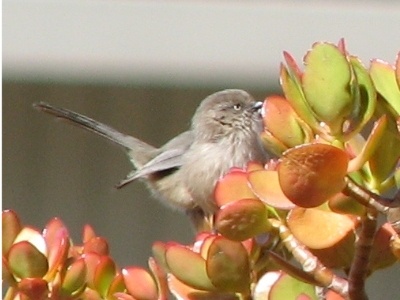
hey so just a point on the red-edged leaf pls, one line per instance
(317, 228)
(34, 288)
(228, 266)
(242, 219)
(97, 245)
(57, 240)
(11, 226)
(233, 186)
(188, 267)
(26, 261)
(104, 275)
(265, 184)
(75, 277)
(139, 283)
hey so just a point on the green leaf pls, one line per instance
(287, 287)
(228, 266)
(384, 78)
(325, 84)
(189, 267)
(26, 261)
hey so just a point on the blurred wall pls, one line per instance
(142, 67)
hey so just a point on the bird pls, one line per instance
(225, 133)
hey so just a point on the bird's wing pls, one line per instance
(170, 157)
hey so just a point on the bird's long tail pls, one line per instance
(139, 152)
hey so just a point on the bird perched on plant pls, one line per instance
(224, 133)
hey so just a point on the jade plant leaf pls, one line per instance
(364, 99)
(310, 174)
(34, 288)
(279, 285)
(384, 159)
(75, 278)
(11, 226)
(291, 85)
(26, 261)
(104, 275)
(265, 184)
(242, 219)
(188, 266)
(320, 228)
(139, 283)
(58, 243)
(97, 245)
(381, 254)
(326, 85)
(228, 266)
(287, 287)
(233, 186)
(384, 78)
(282, 122)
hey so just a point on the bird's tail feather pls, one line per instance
(140, 152)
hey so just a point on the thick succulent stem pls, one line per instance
(310, 263)
(359, 268)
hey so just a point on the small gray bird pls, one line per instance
(225, 133)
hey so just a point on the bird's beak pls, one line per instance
(257, 106)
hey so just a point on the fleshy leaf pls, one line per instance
(88, 233)
(265, 184)
(398, 69)
(287, 287)
(283, 123)
(92, 260)
(26, 261)
(97, 245)
(386, 155)
(11, 226)
(242, 219)
(317, 228)
(370, 145)
(295, 96)
(326, 85)
(183, 291)
(75, 277)
(233, 186)
(365, 101)
(228, 266)
(139, 283)
(310, 174)
(104, 275)
(384, 78)
(57, 240)
(381, 254)
(343, 204)
(34, 288)
(189, 267)
(117, 285)
(160, 277)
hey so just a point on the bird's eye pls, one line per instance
(237, 107)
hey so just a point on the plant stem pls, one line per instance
(310, 263)
(359, 267)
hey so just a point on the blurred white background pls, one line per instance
(142, 67)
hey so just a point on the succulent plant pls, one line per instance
(283, 230)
